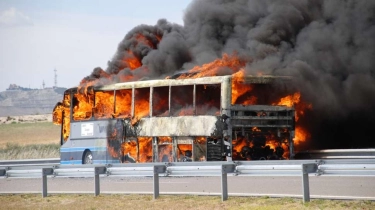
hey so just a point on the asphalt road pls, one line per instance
(320, 187)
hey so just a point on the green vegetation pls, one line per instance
(34, 151)
(74, 201)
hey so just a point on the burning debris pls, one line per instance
(325, 46)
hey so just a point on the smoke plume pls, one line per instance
(328, 46)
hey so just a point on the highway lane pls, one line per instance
(322, 186)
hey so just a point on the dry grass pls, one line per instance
(34, 151)
(29, 140)
(73, 201)
(29, 133)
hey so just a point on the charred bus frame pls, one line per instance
(101, 139)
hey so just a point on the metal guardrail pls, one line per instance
(337, 154)
(334, 167)
(46, 161)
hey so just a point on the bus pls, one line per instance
(220, 118)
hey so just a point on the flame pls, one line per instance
(145, 149)
(130, 148)
(272, 143)
(132, 61)
(240, 142)
(182, 148)
(295, 100)
(141, 151)
(160, 102)
(123, 103)
(239, 89)
(141, 105)
(61, 115)
(165, 148)
(290, 100)
(88, 82)
(83, 108)
(165, 153)
(200, 140)
(57, 114)
(165, 139)
(300, 135)
(113, 152)
(104, 104)
(226, 65)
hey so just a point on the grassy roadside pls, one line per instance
(73, 201)
(29, 133)
(34, 151)
(29, 141)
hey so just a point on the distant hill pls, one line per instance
(16, 102)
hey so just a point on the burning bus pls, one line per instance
(220, 118)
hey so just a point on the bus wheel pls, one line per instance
(87, 158)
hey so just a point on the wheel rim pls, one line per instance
(88, 158)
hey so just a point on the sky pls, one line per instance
(71, 36)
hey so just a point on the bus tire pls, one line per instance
(87, 157)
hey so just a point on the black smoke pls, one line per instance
(328, 46)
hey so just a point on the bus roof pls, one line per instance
(265, 79)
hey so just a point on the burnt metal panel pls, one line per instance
(238, 107)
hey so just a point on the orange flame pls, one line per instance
(123, 103)
(300, 135)
(182, 148)
(239, 89)
(226, 65)
(141, 105)
(141, 152)
(104, 104)
(130, 148)
(61, 115)
(295, 100)
(145, 149)
(83, 109)
(132, 61)
(290, 100)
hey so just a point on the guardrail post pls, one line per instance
(306, 169)
(225, 169)
(98, 170)
(2, 172)
(45, 172)
(224, 186)
(157, 170)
